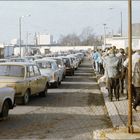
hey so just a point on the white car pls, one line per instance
(49, 68)
(61, 66)
(7, 96)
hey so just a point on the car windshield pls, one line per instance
(59, 62)
(14, 71)
(44, 65)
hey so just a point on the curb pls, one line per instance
(110, 106)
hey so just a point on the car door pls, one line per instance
(41, 80)
(32, 80)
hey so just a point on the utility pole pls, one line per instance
(130, 126)
(121, 23)
(20, 35)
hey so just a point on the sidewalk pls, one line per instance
(118, 113)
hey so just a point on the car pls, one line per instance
(7, 101)
(48, 67)
(3, 60)
(61, 66)
(25, 78)
(69, 65)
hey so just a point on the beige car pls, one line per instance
(25, 78)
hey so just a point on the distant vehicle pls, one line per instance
(25, 78)
(68, 64)
(6, 101)
(3, 60)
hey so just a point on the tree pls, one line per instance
(70, 40)
(86, 38)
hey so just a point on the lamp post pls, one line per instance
(20, 18)
(27, 47)
(120, 21)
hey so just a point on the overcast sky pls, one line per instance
(62, 17)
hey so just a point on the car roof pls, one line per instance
(18, 63)
(45, 60)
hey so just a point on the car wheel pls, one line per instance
(72, 72)
(26, 97)
(45, 92)
(56, 84)
(5, 110)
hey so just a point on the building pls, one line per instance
(122, 42)
(136, 29)
(44, 39)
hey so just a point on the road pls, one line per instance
(73, 111)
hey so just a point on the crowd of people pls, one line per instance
(112, 64)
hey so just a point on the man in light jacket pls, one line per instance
(112, 67)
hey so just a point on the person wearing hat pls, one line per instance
(112, 67)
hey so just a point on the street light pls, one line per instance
(27, 47)
(20, 31)
(120, 20)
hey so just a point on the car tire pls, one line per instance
(5, 110)
(56, 84)
(72, 72)
(26, 97)
(45, 92)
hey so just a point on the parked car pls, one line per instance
(3, 60)
(48, 67)
(74, 60)
(69, 65)
(25, 78)
(6, 101)
(61, 66)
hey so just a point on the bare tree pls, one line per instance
(70, 40)
(86, 38)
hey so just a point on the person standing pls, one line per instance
(112, 67)
(136, 83)
(121, 55)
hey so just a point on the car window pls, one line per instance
(11, 70)
(36, 71)
(31, 71)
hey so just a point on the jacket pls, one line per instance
(112, 66)
(136, 75)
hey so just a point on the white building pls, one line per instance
(122, 42)
(15, 41)
(44, 39)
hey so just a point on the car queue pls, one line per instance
(20, 78)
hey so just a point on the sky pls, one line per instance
(63, 17)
